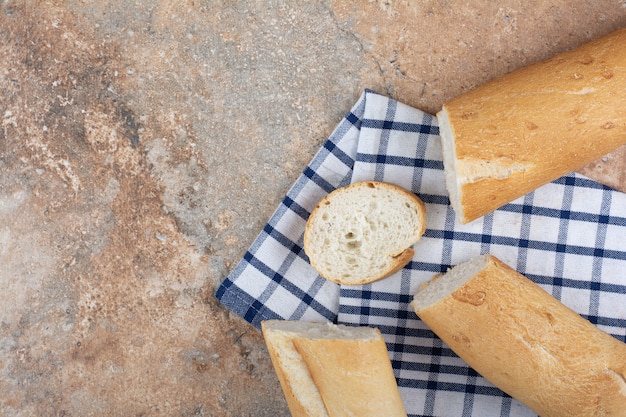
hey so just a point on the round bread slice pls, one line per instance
(363, 232)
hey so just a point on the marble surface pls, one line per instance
(143, 144)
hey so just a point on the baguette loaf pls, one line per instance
(363, 232)
(511, 135)
(332, 370)
(524, 341)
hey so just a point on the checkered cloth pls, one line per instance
(568, 236)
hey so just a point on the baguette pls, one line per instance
(524, 341)
(363, 232)
(332, 370)
(511, 135)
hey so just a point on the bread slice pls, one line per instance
(332, 370)
(363, 232)
(513, 134)
(525, 341)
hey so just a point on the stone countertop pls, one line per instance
(144, 144)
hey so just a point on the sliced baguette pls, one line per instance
(332, 370)
(364, 232)
(525, 341)
(511, 135)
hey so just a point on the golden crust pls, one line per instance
(332, 370)
(530, 345)
(355, 378)
(541, 121)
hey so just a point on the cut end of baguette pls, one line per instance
(303, 398)
(313, 330)
(364, 232)
(463, 172)
(449, 163)
(442, 285)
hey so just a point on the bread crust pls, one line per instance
(394, 261)
(534, 125)
(355, 378)
(530, 345)
(332, 370)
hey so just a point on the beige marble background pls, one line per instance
(143, 144)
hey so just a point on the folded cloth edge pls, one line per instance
(337, 156)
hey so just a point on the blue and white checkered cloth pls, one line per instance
(568, 236)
